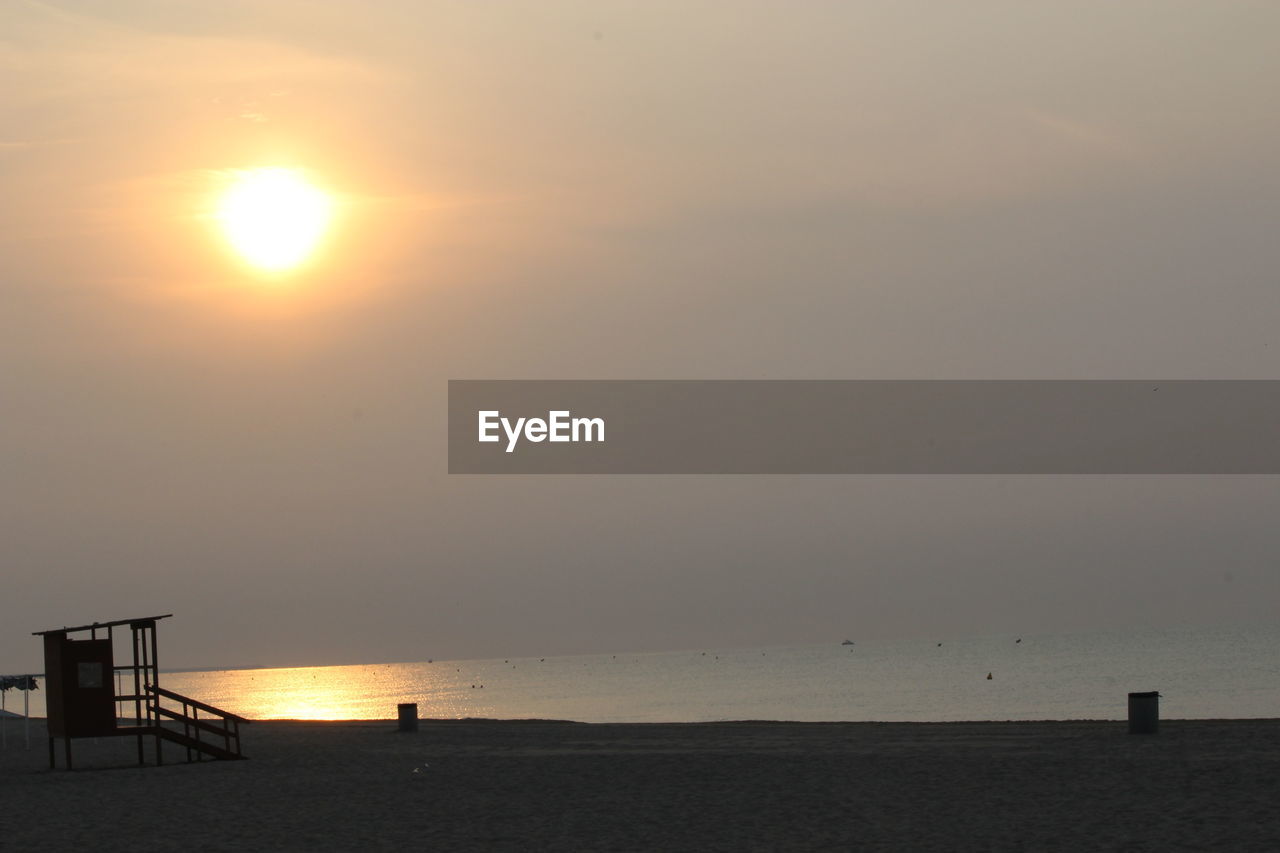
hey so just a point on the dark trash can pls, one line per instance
(408, 716)
(1144, 713)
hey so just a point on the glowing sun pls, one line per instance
(274, 218)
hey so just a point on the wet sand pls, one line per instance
(520, 785)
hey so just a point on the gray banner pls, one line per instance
(864, 427)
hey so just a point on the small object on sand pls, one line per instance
(407, 712)
(939, 645)
(1019, 640)
(988, 676)
(1144, 713)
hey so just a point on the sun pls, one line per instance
(274, 218)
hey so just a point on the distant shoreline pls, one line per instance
(434, 721)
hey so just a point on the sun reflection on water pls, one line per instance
(328, 693)
(1044, 677)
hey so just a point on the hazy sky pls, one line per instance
(854, 189)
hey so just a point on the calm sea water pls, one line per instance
(1201, 673)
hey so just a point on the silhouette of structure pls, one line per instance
(25, 683)
(86, 693)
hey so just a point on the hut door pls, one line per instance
(87, 694)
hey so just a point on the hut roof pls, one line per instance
(102, 625)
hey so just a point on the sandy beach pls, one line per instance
(481, 785)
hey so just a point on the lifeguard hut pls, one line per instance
(89, 695)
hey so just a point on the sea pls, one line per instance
(1200, 673)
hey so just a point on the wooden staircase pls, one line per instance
(216, 735)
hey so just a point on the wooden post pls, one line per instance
(137, 692)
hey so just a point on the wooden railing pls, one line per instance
(217, 734)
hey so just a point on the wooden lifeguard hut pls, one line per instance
(89, 695)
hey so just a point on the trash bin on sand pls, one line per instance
(1144, 713)
(408, 716)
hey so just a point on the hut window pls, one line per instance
(89, 675)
